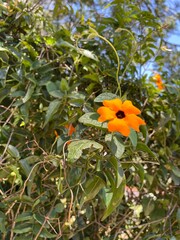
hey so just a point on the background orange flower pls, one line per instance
(158, 79)
(121, 116)
(70, 129)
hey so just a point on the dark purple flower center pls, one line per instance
(120, 114)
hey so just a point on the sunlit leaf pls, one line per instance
(76, 148)
(84, 52)
(88, 54)
(91, 119)
(105, 96)
(30, 48)
(115, 144)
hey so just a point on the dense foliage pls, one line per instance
(63, 175)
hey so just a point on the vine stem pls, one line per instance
(95, 33)
(118, 62)
(133, 47)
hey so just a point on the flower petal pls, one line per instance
(105, 114)
(157, 77)
(129, 108)
(119, 125)
(160, 85)
(134, 121)
(114, 104)
(70, 128)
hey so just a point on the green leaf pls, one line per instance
(159, 58)
(144, 148)
(3, 74)
(105, 96)
(52, 109)
(53, 90)
(24, 236)
(60, 143)
(140, 171)
(145, 134)
(49, 40)
(92, 187)
(44, 233)
(91, 119)
(133, 138)
(178, 215)
(115, 200)
(75, 148)
(4, 92)
(173, 238)
(3, 49)
(118, 171)
(63, 43)
(59, 208)
(24, 163)
(64, 85)
(30, 48)
(87, 54)
(24, 217)
(39, 218)
(76, 99)
(77, 95)
(4, 57)
(82, 51)
(25, 166)
(24, 109)
(176, 171)
(2, 222)
(175, 179)
(110, 177)
(93, 76)
(13, 151)
(24, 198)
(29, 93)
(148, 206)
(22, 228)
(115, 144)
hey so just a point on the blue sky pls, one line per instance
(174, 37)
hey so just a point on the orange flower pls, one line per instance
(121, 116)
(158, 79)
(56, 134)
(70, 129)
